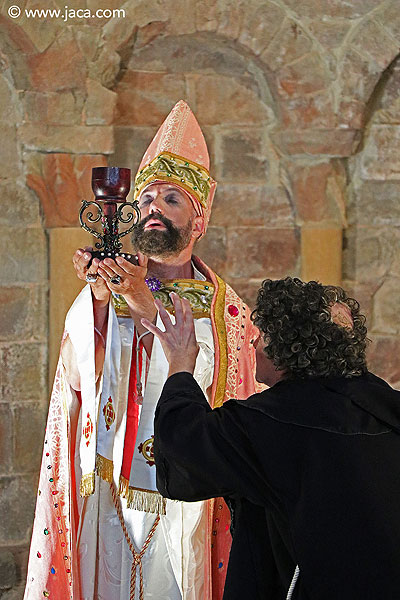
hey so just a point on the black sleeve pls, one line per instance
(202, 453)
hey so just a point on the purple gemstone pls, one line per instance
(153, 284)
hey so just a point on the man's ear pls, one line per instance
(198, 227)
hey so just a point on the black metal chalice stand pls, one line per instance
(111, 187)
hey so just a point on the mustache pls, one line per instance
(156, 217)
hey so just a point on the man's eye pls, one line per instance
(145, 200)
(171, 199)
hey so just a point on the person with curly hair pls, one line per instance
(308, 467)
(312, 330)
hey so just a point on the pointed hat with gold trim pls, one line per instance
(178, 154)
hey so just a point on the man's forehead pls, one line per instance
(164, 187)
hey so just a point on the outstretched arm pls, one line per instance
(199, 452)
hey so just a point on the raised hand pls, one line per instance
(178, 340)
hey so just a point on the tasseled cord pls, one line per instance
(136, 556)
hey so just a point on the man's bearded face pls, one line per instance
(161, 242)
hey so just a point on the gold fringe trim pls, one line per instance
(86, 487)
(104, 468)
(146, 501)
(123, 488)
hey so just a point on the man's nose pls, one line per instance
(156, 205)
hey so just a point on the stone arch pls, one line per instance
(312, 77)
(64, 129)
(315, 110)
(65, 121)
(314, 129)
(360, 65)
(296, 47)
(372, 255)
(266, 31)
(215, 74)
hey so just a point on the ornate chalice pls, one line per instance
(110, 208)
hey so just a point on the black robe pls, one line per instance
(311, 471)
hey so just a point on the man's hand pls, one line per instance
(178, 341)
(132, 277)
(133, 288)
(81, 259)
(132, 285)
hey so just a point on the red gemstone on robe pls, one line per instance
(233, 310)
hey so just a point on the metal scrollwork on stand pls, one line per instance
(111, 186)
(89, 217)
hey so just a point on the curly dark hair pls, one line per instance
(295, 320)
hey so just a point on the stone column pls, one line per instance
(321, 254)
(64, 284)
(319, 189)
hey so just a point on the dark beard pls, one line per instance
(161, 243)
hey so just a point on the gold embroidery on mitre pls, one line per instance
(109, 413)
(172, 168)
(199, 294)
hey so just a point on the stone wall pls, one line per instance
(372, 241)
(300, 107)
(23, 344)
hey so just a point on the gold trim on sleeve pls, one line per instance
(219, 311)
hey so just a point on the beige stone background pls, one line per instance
(300, 106)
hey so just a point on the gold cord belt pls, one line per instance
(137, 556)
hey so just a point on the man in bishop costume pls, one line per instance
(102, 531)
